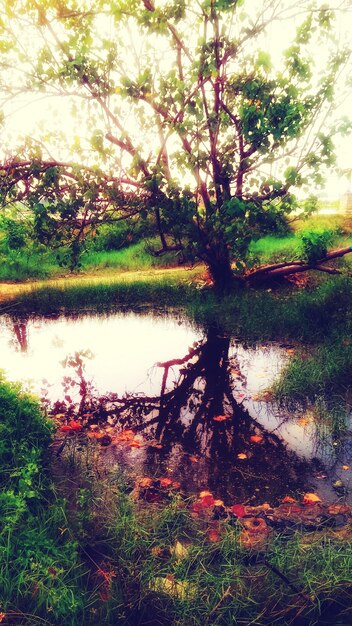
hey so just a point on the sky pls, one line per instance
(26, 113)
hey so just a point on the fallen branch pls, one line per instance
(286, 268)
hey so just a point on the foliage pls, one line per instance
(39, 566)
(199, 128)
(315, 244)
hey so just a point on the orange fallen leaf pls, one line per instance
(345, 467)
(256, 438)
(303, 421)
(94, 435)
(193, 459)
(204, 494)
(207, 501)
(218, 503)
(238, 510)
(124, 435)
(311, 498)
(71, 427)
(214, 536)
(145, 482)
(221, 418)
(176, 484)
(288, 499)
(242, 456)
(165, 482)
(135, 444)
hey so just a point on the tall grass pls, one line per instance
(162, 567)
(39, 565)
(20, 265)
(134, 257)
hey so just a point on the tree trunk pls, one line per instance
(219, 265)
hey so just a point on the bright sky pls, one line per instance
(24, 114)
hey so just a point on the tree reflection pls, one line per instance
(20, 332)
(191, 441)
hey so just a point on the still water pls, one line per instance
(170, 381)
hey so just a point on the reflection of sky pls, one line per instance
(124, 348)
(259, 366)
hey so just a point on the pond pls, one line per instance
(161, 397)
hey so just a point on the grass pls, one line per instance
(24, 264)
(132, 289)
(19, 265)
(157, 564)
(40, 571)
(135, 257)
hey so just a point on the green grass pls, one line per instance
(24, 264)
(163, 289)
(135, 257)
(40, 571)
(160, 566)
(271, 248)
(19, 265)
(324, 371)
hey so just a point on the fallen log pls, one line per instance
(286, 268)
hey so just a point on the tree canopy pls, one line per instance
(193, 112)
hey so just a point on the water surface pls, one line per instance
(169, 381)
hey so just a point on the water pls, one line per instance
(169, 382)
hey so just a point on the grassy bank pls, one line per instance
(86, 551)
(40, 572)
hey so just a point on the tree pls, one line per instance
(189, 116)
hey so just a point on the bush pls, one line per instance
(315, 243)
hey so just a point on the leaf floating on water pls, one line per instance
(165, 482)
(311, 498)
(71, 427)
(94, 435)
(242, 456)
(256, 438)
(320, 476)
(124, 435)
(345, 467)
(221, 418)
